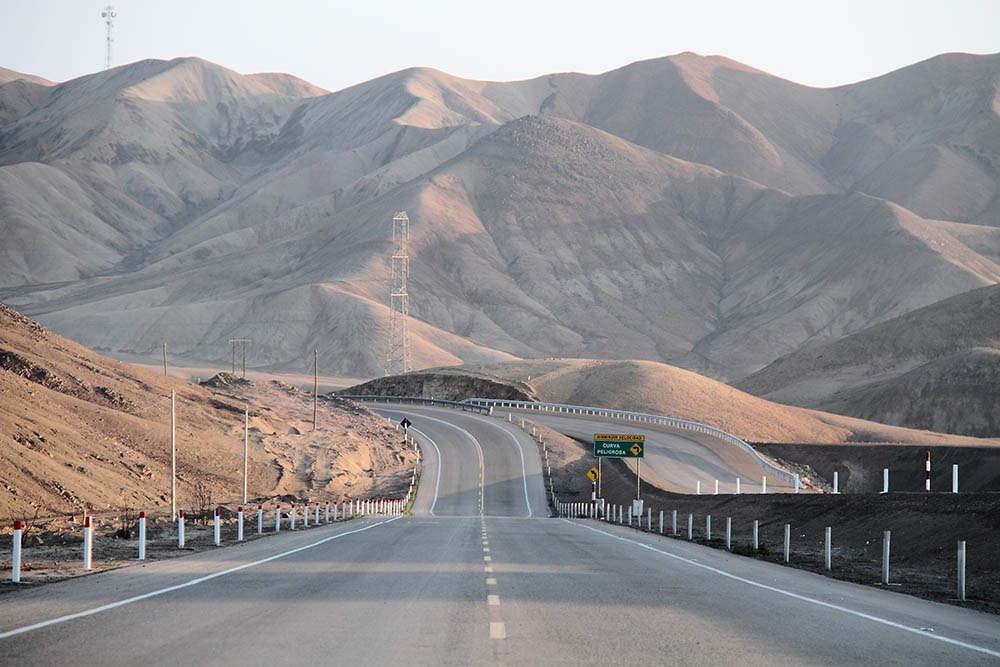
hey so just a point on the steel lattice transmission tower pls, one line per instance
(398, 359)
(108, 15)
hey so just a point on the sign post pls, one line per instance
(623, 446)
(593, 475)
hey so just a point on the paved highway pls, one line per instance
(674, 460)
(480, 576)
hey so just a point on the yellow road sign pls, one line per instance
(636, 449)
(593, 474)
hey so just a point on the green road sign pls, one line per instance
(627, 446)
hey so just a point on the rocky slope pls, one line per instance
(80, 431)
(936, 367)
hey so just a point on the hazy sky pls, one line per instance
(338, 44)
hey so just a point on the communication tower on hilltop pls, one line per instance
(108, 15)
(398, 359)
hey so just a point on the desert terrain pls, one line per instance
(937, 368)
(84, 433)
(720, 217)
(654, 388)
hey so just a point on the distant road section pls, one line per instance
(674, 460)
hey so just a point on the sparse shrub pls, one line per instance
(128, 522)
(748, 550)
(203, 504)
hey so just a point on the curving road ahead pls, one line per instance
(674, 460)
(473, 579)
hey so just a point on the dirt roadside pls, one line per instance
(54, 551)
(925, 527)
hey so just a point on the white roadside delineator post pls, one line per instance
(827, 547)
(708, 527)
(180, 529)
(788, 540)
(239, 524)
(260, 519)
(88, 543)
(690, 526)
(763, 488)
(649, 519)
(756, 533)
(729, 533)
(885, 557)
(661, 522)
(291, 518)
(885, 480)
(716, 487)
(954, 478)
(217, 528)
(305, 516)
(142, 536)
(277, 519)
(673, 530)
(737, 486)
(797, 484)
(961, 570)
(15, 566)
(697, 488)
(326, 517)
(836, 482)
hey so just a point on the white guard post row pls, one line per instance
(592, 510)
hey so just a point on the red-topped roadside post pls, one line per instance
(15, 566)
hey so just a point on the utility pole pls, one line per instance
(246, 449)
(173, 462)
(243, 345)
(315, 385)
(164, 359)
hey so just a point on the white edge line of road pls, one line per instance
(437, 480)
(803, 598)
(193, 582)
(482, 461)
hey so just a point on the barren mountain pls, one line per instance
(79, 431)
(684, 209)
(936, 367)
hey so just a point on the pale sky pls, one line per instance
(337, 44)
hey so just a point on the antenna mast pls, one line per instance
(398, 360)
(108, 15)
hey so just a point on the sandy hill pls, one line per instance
(79, 431)
(8, 75)
(683, 209)
(655, 388)
(936, 367)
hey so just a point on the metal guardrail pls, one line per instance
(640, 417)
(416, 399)
(486, 405)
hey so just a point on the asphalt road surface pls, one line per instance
(673, 460)
(480, 575)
